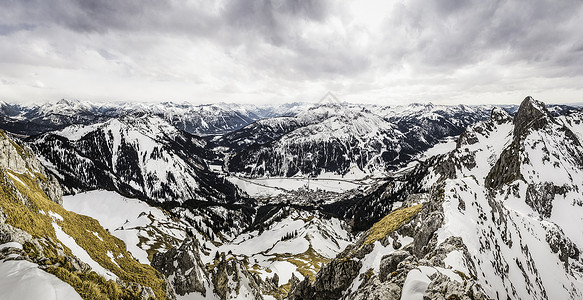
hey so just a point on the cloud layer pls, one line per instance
(451, 51)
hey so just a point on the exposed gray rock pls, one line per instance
(425, 232)
(11, 155)
(377, 290)
(330, 282)
(389, 263)
(507, 167)
(145, 292)
(9, 233)
(540, 197)
(3, 216)
(21, 159)
(443, 287)
(185, 268)
(336, 276)
(52, 188)
(531, 114)
(228, 277)
(77, 265)
(500, 115)
(562, 245)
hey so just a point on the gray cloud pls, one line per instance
(420, 46)
(450, 34)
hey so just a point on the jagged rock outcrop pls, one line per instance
(390, 263)
(22, 160)
(500, 116)
(330, 281)
(532, 114)
(540, 197)
(184, 269)
(231, 280)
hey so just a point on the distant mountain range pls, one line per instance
(298, 201)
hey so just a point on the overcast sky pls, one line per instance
(257, 51)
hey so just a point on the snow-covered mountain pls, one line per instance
(138, 155)
(498, 217)
(496, 214)
(336, 138)
(196, 119)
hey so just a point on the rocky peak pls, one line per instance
(500, 115)
(531, 114)
(183, 267)
(232, 280)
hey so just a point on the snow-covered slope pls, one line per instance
(290, 241)
(499, 218)
(35, 119)
(144, 229)
(140, 155)
(206, 119)
(22, 279)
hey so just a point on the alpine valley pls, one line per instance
(296, 201)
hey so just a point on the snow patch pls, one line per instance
(24, 280)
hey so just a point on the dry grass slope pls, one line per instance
(392, 222)
(27, 207)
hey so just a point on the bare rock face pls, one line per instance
(540, 197)
(231, 280)
(336, 276)
(563, 246)
(500, 115)
(10, 233)
(11, 155)
(376, 289)
(331, 281)
(3, 216)
(21, 160)
(506, 169)
(184, 268)
(443, 287)
(531, 114)
(389, 263)
(425, 232)
(52, 188)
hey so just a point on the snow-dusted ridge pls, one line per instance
(332, 138)
(202, 119)
(140, 155)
